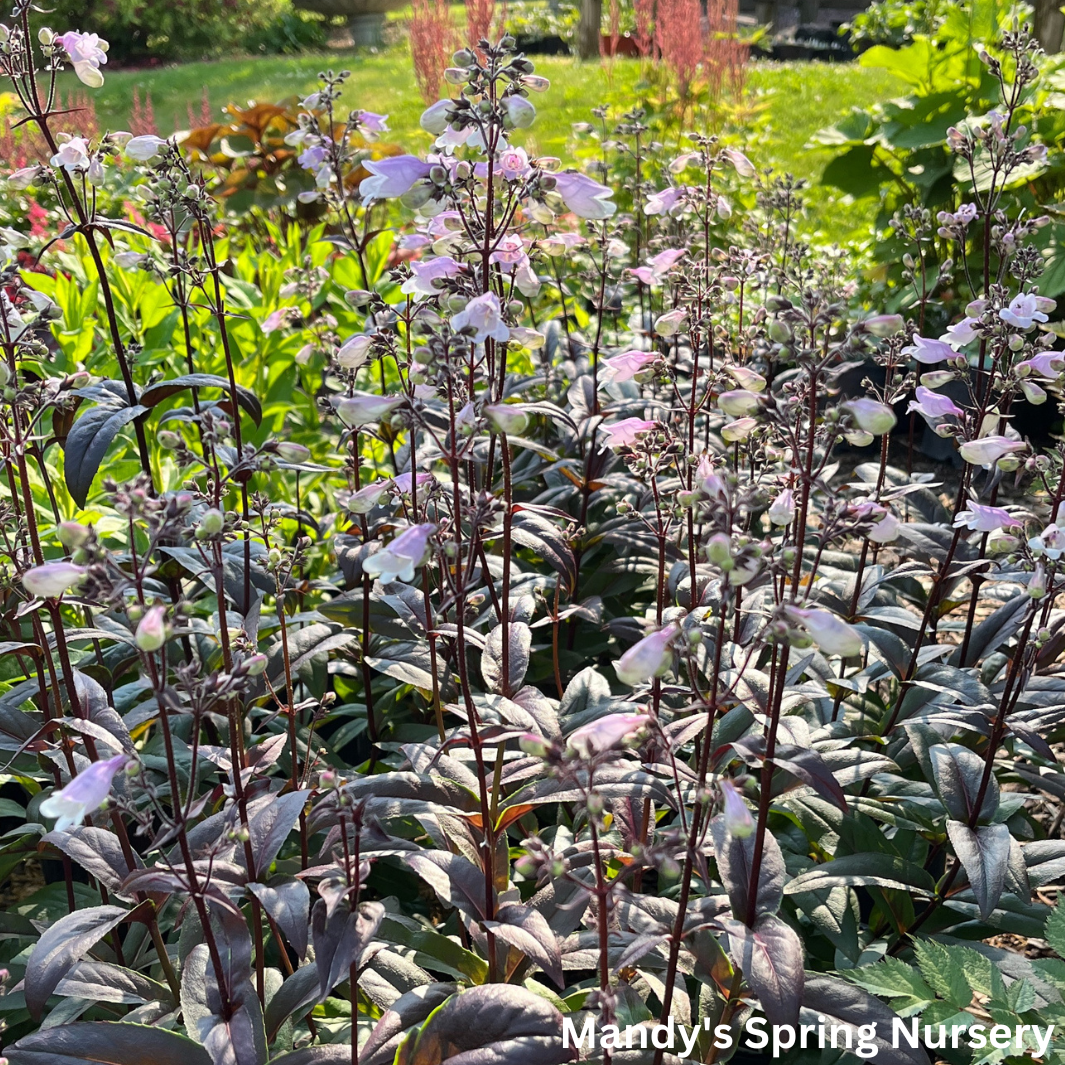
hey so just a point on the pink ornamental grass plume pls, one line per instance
(432, 41)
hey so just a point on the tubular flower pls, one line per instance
(52, 579)
(584, 197)
(86, 792)
(606, 734)
(626, 432)
(649, 657)
(399, 560)
(362, 408)
(87, 54)
(831, 634)
(738, 818)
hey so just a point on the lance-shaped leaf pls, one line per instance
(865, 870)
(984, 853)
(270, 827)
(456, 880)
(287, 901)
(87, 444)
(527, 930)
(520, 640)
(61, 946)
(408, 1010)
(839, 1002)
(106, 1043)
(735, 859)
(97, 851)
(295, 997)
(340, 938)
(770, 956)
(958, 773)
(493, 1023)
(162, 390)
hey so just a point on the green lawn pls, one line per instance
(790, 102)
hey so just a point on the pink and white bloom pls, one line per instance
(52, 579)
(392, 176)
(744, 167)
(1050, 542)
(364, 408)
(668, 201)
(583, 196)
(928, 350)
(87, 53)
(152, 629)
(871, 416)
(513, 164)
(141, 149)
(370, 124)
(831, 634)
(1048, 364)
(424, 275)
(73, 155)
(984, 519)
(739, 402)
(647, 658)
(368, 497)
(886, 530)
(746, 378)
(627, 365)
(606, 734)
(404, 482)
(402, 556)
(355, 351)
(88, 791)
(626, 432)
(434, 119)
(484, 315)
(670, 323)
(739, 430)
(989, 449)
(932, 405)
(738, 820)
(961, 333)
(1025, 310)
(782, 509)
(658, 266)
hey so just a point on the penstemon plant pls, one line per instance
(492, 625)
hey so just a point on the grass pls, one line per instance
(788, 103)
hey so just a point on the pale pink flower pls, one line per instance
(86, 792)
(606, 734)
(928, 350)
(1025, 310)
(364, 408)
(626, 432)
(424, 275)
(371, 124)
(141, 149)
(583, 196)
(984, 519)
(831, 634)
(87, 53)
(649, 657)
(73, 154)
(738, 820)
(484, 315)
(628, 364)
(52, 579)
(989, 449)
(402, 556)
(392, 176)
(961, 333)
(667, 201)
(744, 167)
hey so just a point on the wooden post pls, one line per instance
(588, 30)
